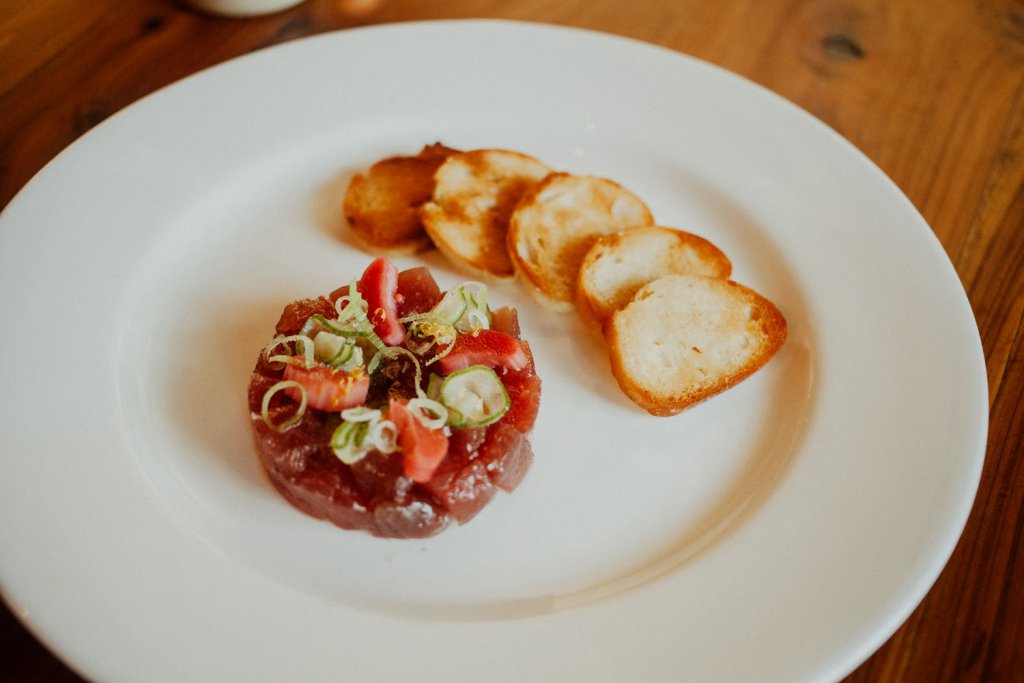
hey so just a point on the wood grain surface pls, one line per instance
(932, 91)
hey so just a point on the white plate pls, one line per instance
(780, 531)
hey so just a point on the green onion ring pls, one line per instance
(307, 349)
(294, 419)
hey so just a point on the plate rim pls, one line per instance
(854, 658)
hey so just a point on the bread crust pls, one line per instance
(555, 224)
(635, 347)
(468, 214)
(382, 204)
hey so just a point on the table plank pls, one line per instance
(932, 92)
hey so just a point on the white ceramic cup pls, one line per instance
(242, 8)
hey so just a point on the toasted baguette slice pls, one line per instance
(684, 338)
(619, 264)
(474, 194)
(382, 205)
(558, 221)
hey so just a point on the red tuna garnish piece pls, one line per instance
(379, 285)
(484, 347)
(328, 389)
(417, 291)
(422, 449)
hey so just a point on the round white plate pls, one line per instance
(780, 531)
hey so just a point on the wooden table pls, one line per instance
(933, 92)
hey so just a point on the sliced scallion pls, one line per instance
(337, 351)
(451, 307)
(384, 435)
(478, 314)
(348, 440)
(431, 414)
(296, 416)
(361, 431)
(321, 323)
(303, 345)
(360, 414)
(351, 309)
(474, 397)
(434, 383)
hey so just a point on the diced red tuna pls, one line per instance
(417, 291)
